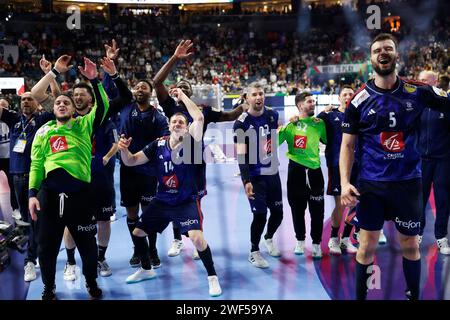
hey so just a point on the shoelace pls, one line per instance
(61, 203)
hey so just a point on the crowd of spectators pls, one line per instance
(227, 54)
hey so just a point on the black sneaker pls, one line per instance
(94, 291)
(49, 293)
(135, 261)
(154, 260)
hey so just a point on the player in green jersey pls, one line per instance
(59, 185)
(305, 184)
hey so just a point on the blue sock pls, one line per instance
(411, 270)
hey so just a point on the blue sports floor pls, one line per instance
(227, 230)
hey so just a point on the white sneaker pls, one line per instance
(30, 272)
(444, 247)
(113, 217)
(356, 236)
(70, 272)
(317, 251)
(16, 214)
(333, 244)
(141, 275)
(104, 269)
(175, 248)
(195, 255)
(419, 239)
(214, 286)
(299, 247)
(271, 248)
(347, 245)
(256, 259)
(382, 239)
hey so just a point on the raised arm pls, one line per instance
(39, 91)
(198, 120)
(127, 157)
(124, 95)
(181, 52)
(101, 99)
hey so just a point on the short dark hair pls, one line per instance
(444, 80)
(300, 97)
(88, 87)
(181, 114)
(6, 99)
(147, 82)
(345, 86)
(382, 37)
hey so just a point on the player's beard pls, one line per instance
(386, 71)
(64, 119)
(310, 113)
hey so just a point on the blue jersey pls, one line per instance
(170, 107)
(22, 132)
(103, 139)
(434, 135)
(333, 123)
(144, 127)
(176, 182)
(261, 155)
(386, 122)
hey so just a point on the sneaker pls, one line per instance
(272, 248)
(382, 239)
(113, 217)
(256, 259)
(135, 261)
(49, 293)
(30, 272)
(175, 248)
(154, 260)
(444, 247)
(419, 239)
(195, 255)
(214, 286)
(317, 251)
(356, 236)
(103, 268)
(409, 295)
(94, 291)
(333, 244)
(347, 246)
(16, 214)
(141, 275)
(70, 272)
(300, 247)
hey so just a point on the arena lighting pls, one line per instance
(154, 1)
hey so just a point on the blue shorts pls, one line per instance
(157, 216)
(399, 201)
(334, 180)
(267, 190)
(136, 188)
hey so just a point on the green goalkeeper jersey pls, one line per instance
(303, 139)
(68, 146)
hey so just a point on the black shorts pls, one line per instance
(400, 201)
(267, 190)
(104, 197)
(157, 216)
(334, 180)
(136, 188)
